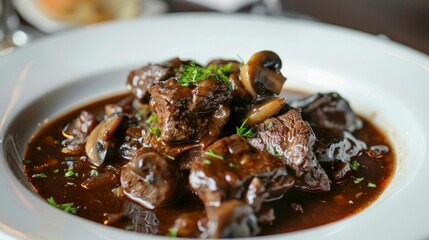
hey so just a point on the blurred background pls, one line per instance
(403, 21)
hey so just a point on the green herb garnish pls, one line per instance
(67, 207)
(244, 131)
(277, 154)
(155, 131)
(70, 172)
(152, 119)
(213, 154)
(233, 165)
(193, 73)
(269, 125)
(172, 232)
(39, 175)
(170, 157)
(354, 165)
(27, 161)
(56, 171)
(207, 162)
(358, 180)
(371, 185)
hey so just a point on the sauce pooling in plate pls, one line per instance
(211, 152)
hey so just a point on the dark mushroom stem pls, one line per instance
(261, 75)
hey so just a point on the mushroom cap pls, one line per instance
(261, 74)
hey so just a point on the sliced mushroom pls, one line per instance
(99, 144)
(261, 75)
(264, 110)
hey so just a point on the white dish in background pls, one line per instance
(31, 12)
(382, 80)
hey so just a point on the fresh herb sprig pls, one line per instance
(67, 207)
(193, 73)
(213, 154)
(244, 131)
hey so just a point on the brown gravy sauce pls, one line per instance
(295, 211)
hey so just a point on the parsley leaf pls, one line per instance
(39, 175)
(233, 165)
(152, 119)
(244, 131)
(172, 232)
(193, 73)
(207, 162)
(354, 165)
(67, 207)
(371, 185)
(70, 172)
(357, 180)
(213, 154)
(25, 161)
(155, 131)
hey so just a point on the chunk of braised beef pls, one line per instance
(131, 143)
(337, 145)
(335, 149)
(142, 220)
(150, 180)
(232, 169)
(190, 114)
(77, 132)
(139, 81)
(290, 138)
(231, 219)
(123, 106)
(328, 110)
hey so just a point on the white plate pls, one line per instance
(31, 12)
(383, 80)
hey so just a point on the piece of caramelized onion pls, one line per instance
(264, 110)
(261, 74)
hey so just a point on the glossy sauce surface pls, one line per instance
(295, 211)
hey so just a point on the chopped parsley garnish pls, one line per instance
(56, 171)
(152, 119)
(172, 232)
(155, 131)
(27, 161)
(358, 180)
(70, 172)
(67, 207)
(371, 185)
(277, 154)
(207, 162)
(213, 154)
(93, 172)
(244, 131)
(193, 73)
(269, 125)
(170, 157)
(233, 165)
(354, 165)
(39, 175)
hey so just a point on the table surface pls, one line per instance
(403, 21)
